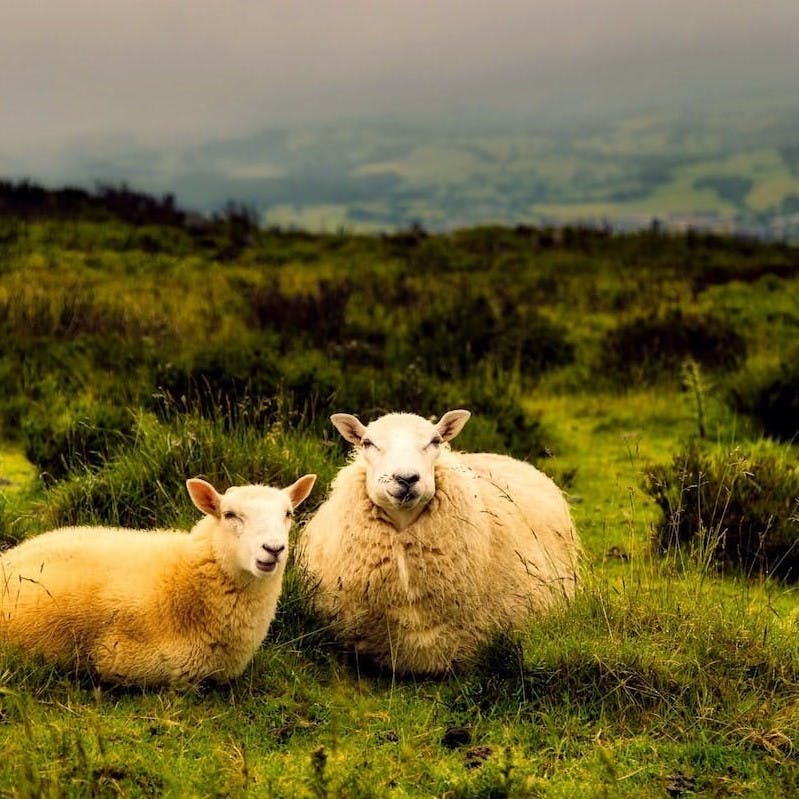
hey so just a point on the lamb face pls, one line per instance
(254, 521)
(400, 451)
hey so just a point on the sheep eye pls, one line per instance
(289, 514)
(229, 515)
(365, 442)
(435, 442)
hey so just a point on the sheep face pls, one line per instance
(253, 522)
(400, 451)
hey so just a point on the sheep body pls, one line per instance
(150, 607)
(493, 546)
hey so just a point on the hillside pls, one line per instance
(140, 345)
(724, 166)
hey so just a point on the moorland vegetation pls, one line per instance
(653, 375)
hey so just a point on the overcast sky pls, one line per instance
(163, 71)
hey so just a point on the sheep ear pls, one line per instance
(204, 496)
(451, 423)
(349, 426)
(299, 491)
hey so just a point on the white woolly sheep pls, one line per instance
(420, 554)
(158, 606)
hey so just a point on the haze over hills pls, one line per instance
(447, 114)
(732, 166)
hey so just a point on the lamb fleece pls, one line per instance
(495, 545)
(146, 607)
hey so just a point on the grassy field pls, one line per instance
(136, 355)
(723, 165)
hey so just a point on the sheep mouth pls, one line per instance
(267, 566)
(404, 496)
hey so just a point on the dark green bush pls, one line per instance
(50, 372)
(649, 349)
(731, 509)
(461, 333)
(81, 435)
(71, 313)
(144, 486)
(223, 382)
(773, 400)
(499, 421)
(6, 539)
(317, 319)
(244, 385)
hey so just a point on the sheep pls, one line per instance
(158, 607)
(420, 554)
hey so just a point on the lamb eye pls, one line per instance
(365, 442)
(289, 514)
(229, 515)
(435, 442)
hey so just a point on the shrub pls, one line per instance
(450, 339)
(730, 509)
(6, 538)
(456, 336)
(145, 486)
(82, 435)
(248, 386)
(47, 372)
(318, 318)
(225, 382)
(530, 342)
(73, 312)
(499, 423)
(773, 400)
(651, 348)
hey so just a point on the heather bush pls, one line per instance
(459, 334)
(318, 318)
(730, 509)
(144, 486)
(772, 399)
(648, 349)
(80, 435)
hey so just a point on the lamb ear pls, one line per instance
(349, 426)
(451, 423)
(299, 490)
(204, 496)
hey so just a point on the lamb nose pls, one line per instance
(407, 479)
(274, 550)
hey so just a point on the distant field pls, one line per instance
(732, 167)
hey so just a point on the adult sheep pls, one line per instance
(160, 606)
(420, 553)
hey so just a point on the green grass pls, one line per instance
(663, 678)
(15, 471)
(656, 676)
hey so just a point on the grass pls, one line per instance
(663, 678)
(657, 676)
(15, 471)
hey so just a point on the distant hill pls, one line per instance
(730, 167)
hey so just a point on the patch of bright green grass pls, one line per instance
(16, 473)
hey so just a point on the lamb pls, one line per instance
(420, 554)
(154, 607)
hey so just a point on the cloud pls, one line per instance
(194, 69)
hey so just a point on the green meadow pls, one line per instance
(652, 375)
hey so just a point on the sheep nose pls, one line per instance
(408, 479)
(274, 550)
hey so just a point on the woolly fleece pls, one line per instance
(494, 546)
(137, 607)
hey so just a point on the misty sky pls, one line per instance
(164, 71)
